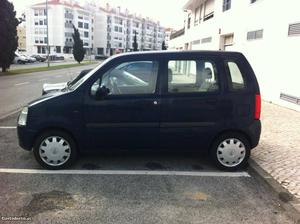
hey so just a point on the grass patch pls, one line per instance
(44, 68)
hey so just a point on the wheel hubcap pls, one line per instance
(55, 151)
(231, 152)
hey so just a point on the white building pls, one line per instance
(104, 31)
(168, 33)
(61, 16)
(121, 29)
(267, 33)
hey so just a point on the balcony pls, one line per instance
(69, 25)
(68, 43)
(177, 34)
(69, 16)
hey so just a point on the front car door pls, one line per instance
(192, 107)
(128, 118)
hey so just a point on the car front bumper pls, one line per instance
(26, 137)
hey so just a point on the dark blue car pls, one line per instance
(179, 101)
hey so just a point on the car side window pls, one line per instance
(190, 76)
(120, 81)
(236, 79)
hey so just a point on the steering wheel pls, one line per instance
(114, 86)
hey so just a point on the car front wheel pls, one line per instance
(55, 150)
(230, 151)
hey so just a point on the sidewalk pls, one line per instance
(279, 150)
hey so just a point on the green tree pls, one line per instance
(163, 46)
(135, 44)
(78, 50)
(8, 34)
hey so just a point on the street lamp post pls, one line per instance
(48, 49)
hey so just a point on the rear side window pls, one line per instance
(191, 76)
(236, 79)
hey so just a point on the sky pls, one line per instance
(168, 12)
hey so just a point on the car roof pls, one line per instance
(179, 52)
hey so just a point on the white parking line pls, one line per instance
(7, 127)
(127, 172)
(22, 83)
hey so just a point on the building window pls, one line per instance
(80, 17)
(80, 24)
(45, 21)
(45, 40)
(206, 40)
(252, 1)
(86, 34)
(116, 29)
(226, 5)
(294, 29)
(120, 29)
(100, 51)
(197, 16)
(36, 12)
(41, 22)
(254, 35)
(86, 25)
(189, 21)
(58, 49)
(209, 10)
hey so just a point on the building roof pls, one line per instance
(60, 2)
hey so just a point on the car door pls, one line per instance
(192, 107)
(128, 118)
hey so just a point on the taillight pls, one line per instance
(257, 107)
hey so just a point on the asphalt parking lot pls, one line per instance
(129, 189)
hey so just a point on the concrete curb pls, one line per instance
(288, 201)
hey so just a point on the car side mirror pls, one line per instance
(102, 92)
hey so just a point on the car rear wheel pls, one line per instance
(230, 151)
(55, 150)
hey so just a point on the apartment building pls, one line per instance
(168, 33)
(122, 26)
(61, 17)
(104, 31)
(267, 33)
(21, 32)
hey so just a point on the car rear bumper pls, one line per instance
(26, 137)
(254, 132)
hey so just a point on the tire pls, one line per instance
(230, 151)
(55, 150)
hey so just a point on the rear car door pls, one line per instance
(128, 118)
(193, 107)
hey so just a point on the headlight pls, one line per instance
(23, 117)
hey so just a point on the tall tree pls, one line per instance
(163, 46)
(78, 50)
(8, 34)
(135, 44)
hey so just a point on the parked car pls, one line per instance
(39, 58)
(19, 59)
(29, 59)
(193, 101)
(47, 88)
(55, 57)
